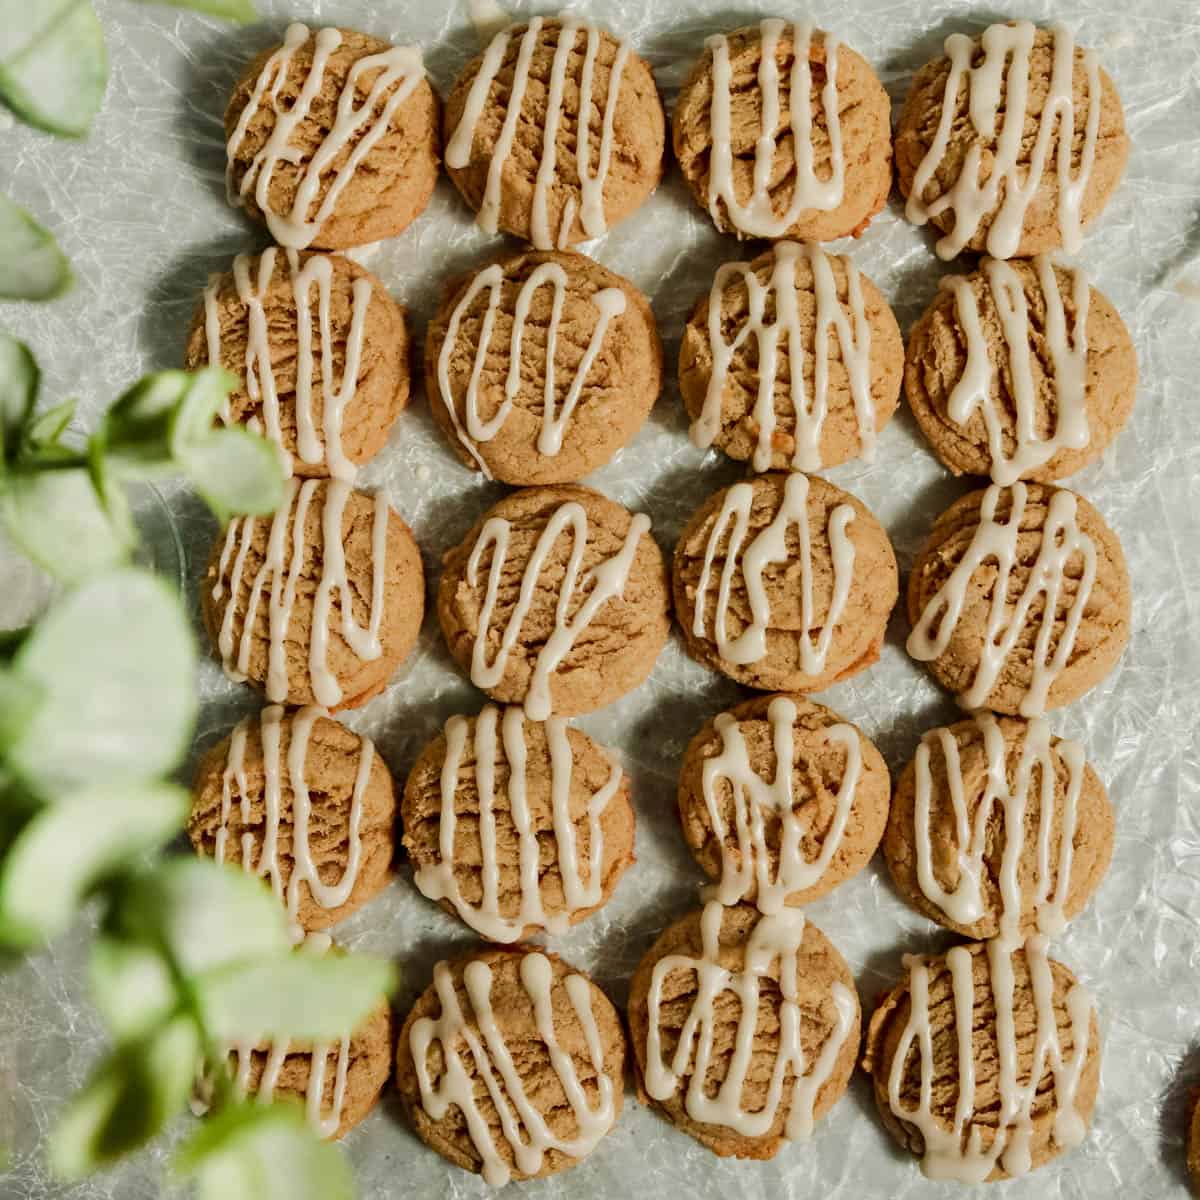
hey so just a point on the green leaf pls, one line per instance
(136, 433)
(115, 662)
(53, 66)
(46, 429)
(19, 701)
(232, 10)
(18, 384)
(235, 471)
(32, 267)
(131, 985)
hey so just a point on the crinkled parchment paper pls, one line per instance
(139, 208)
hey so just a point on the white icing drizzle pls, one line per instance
(1001, 82)
(1068, 358)
(609, 303)
(959, 1153)
(608, 579)
(591, 181)
(849, 320)
(769, 546)
(400, 69)
(582, 889)
(757, 800)
(282, 576)
(774, 937)
(996, 540)
(481, 1040)
(259, 371)
(757, 217)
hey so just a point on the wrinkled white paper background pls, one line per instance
(139, 208)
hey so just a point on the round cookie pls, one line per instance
(843, 126)
(958, 116)
(781, 800)
(1020, 370)
(794, 312)
(1037, 845)
(1016, 1000)
(490, 397)
(559, 1087)
(517, 150)
(332, 139)
(557, 599)
(784, 583)
(977, 599)
(306, 804)
(536, 817)
(328, 406)
(279, 619)
(704, 974)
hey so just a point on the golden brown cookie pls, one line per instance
(490, 398)
(517, 150)
(781, 800)
(985, 168)
(280, 620)
(552, 1056)
(558, 599)
(784, 583)
(1018, 1001)
(842, 174)
(305, 804)
(998, 828)
(1020, 370)
(977, 599)
(333, 139)
(704, 975)
(794, 313)
(329, 406)
(1193, 1144)
(518, 827)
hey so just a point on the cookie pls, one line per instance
(332, 139)
(743, 1092)
(556, 599)
(511, 1064)
(998, 829)
(540, 367)
(764, 167)
(1001, 101)
(781, 800)
(328, 403)
(1034, 1050)
(794, 314)
(520, 155)
(302, 802)
(1193, 1145)
(784, 583)
(309, 617)
(1019, 599)
(1020, 370)
(518, 827)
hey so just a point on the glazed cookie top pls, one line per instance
(783, 131)
(792, 360)
(1004, 99)
(557, 599)
(301, 801)
(517, 826)
(781, 800)
(1032, 1045)
(517, 150)
(321, 603)
(1020, 370)
(1019, 599)
(784, 582)
(738, 1090)
(327, 402)
(511, 1064)
(543, 366)
(332, 139)
(998, 829)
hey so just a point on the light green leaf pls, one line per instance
(236, 472)
(131, 985)
(136, 433)
(18, 383)
(232, 10)
(115, 662)
(19, 701)
(53, 65)
(32, 267)
(46, 429)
